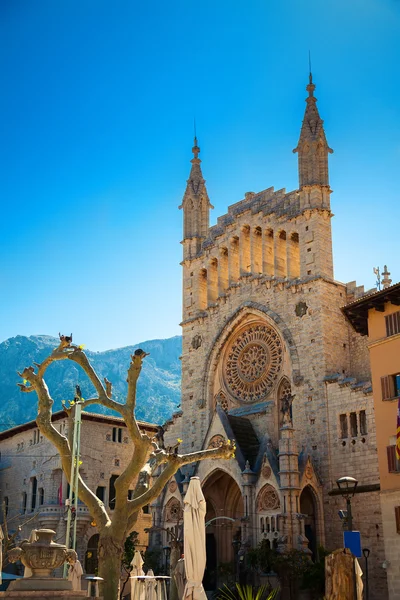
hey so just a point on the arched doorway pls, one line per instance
(91, 556)
(308, 509)
(224, 499)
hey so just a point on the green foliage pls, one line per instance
(152, 560)
(291, 565)
(261, 558)
(247, 592)
(314, 575)
(129, 549)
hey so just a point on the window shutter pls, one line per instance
(387, 385)
(393, 323)
(397, 515)
(391, 456)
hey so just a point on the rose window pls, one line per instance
(173, 510)
(253, 363)
(216, 441)
(268, 499)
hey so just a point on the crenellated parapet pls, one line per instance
(265, 236)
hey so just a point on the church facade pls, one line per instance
(270, 361)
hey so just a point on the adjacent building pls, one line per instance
(34, 489)
(377, 317)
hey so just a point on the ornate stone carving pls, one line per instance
(309, 471)
(173, 510)
(222, 400)
(172, 486)
(266, 471)
(268, 499)
(196, 341)
(216, 441)
(253, 363)
(43, 555)
(301, 309)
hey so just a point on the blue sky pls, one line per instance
(96, 116)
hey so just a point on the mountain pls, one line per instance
(158, 391)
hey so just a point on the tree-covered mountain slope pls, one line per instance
(158, 394)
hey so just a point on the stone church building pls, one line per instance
(270, 361)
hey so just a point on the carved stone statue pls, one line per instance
(286, 409)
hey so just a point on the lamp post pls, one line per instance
(347, 487)
(366, 552)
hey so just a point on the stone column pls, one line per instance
(290, 487)
(249, 521)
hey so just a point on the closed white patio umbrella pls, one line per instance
(194, 541)
(138, 591)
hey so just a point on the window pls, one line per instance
(101, 492)
(6, 505)
(146, 509)
(390, 385)
(41, 496)
(392, 323)
(397, 517)
(34, 493)
(393, 463)
(363, 422)
(344, 426)
(117, 435)
(353, 424)
(111, 492)
(130, 494)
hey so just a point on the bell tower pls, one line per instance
(196, 208)
(313, 150)
(314, 192)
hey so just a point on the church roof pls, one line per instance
(245, 438)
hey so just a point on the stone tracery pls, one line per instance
(268, 499)
(173, 510)
(253, 363)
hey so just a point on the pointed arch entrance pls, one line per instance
(308, 509)
(224, 499)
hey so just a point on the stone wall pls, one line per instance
(353, 453)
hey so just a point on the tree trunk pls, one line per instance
(110, 556)
(339, 576)
(175, 556)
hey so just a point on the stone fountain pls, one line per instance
(42, 556)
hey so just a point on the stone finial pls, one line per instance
(196, 149)
(386, 282)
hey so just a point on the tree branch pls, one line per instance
(173, 462)
(43, 420)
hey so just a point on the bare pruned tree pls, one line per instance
(113, 528)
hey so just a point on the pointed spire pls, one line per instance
(195, 180)
(196, 203)
(312, 146)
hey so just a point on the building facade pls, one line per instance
(270, 360)
(378, 317)
(34, 489)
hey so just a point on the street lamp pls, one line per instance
(366, 553)
(347, 487)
